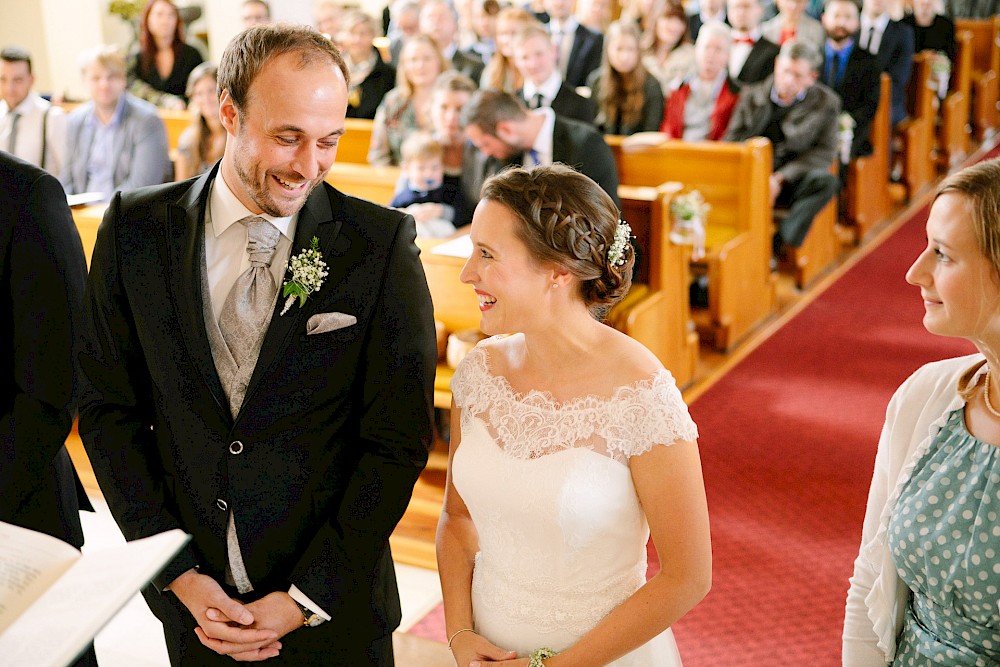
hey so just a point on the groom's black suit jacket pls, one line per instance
(335, 427)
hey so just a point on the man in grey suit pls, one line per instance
(283, 429)
(799, 116)
(115, 141)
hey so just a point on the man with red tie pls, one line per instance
(751, 58)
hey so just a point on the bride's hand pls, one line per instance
(473, 650)
(518, 662)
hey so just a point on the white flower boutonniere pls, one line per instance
(308, 271)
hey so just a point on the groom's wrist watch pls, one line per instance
(310, 619)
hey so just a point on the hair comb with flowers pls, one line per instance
(616, 253)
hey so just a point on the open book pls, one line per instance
(53, 599)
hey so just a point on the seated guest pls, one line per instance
(438, 19)
(433, 199)
(701, 108)
(535, 56)
(484, 28)
(371, 78)
(158, 71)
(30, 127)
(500, 72)
(930, 29)
(668, 54)
(505, 132)
(254, 12)
(450, 94)
(629, 99)
(404, 22)
(579, 49)
(202, 143)
(326, 17)
(850, 71)
(751, 57)
(595, 15)
(406, 108)
(792, 22)
(891, 42)
(115, 141)
(708, 10)
(799, 117)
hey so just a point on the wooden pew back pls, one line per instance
(733, 177)
(353, 146)
(175, 121)
(985, 42)
(866, 198)
(377, 184)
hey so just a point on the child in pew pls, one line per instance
(434, 200)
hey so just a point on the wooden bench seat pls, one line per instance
(866, 196)
(985, 73)
(377, 184)
(354, 144)
(953, 132)
(733, 177)
(918, 130)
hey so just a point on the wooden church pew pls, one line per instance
(953, 132)
(866, 194)
(985, 72)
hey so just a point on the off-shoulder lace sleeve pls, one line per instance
(648, 414)
(469, 377)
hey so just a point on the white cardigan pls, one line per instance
(877, 598)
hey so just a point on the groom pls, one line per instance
(285, 442)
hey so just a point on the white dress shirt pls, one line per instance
(28, 141)
(563, 35)
(880, 25)
(543, 142)
(739, 51)
(548, 89)
(226, 258)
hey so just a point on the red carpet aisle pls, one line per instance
(788, 440)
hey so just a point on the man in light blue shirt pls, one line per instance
(115, 141)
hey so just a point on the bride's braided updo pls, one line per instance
(570, 221)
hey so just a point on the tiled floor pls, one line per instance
(134, 638)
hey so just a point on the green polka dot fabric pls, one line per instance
(945, 538)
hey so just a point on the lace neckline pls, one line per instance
(543, 399)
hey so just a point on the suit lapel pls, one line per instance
(186, 247)
(315, 219)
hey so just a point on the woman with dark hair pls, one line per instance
(158, 71)
(570, 445)
(668, 53)
(926, 579)
(371, 77)
(203, 141)
(629, 99)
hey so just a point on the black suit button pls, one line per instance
(221, 504)
(236, 447)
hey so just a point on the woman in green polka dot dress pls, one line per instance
(926, 584)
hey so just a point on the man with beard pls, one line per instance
(283, 430)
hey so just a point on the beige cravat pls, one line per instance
(244, 318)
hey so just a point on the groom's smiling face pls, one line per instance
(284, 141)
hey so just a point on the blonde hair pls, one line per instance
(402, 82)
(106, 56)
(421, 146)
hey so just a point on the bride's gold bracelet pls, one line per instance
(535, 657)
(457, 634)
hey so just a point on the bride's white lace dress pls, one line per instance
(562, 535)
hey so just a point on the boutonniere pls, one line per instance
(308, 271)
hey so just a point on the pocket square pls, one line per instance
(326, 322)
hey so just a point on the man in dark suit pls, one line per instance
(799, 116)
(751, 56)
(439, 21)
(892, 44)
(43, 275)
(535, 57)
(579, 48)
(504, 132)
(708, 11)
(850, 71)
(284, 432)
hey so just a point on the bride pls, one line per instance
(570, 445)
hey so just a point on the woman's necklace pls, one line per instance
(986, 396)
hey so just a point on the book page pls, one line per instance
(29, 563)
(63, 621)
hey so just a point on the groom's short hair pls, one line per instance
(253, 48)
